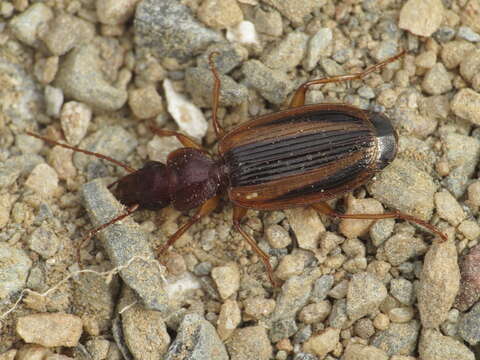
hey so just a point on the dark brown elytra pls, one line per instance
(301, 156)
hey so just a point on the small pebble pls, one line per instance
(145, 102)
(381, 321)
(243, 33)
(466, 33)
(187, 116)
(402, 290)
(115, 12)
(220, 14)
(365, 294)
(363, 352)
(306, 225)
(75, 119)
(53, 101)
(454, 52)
(353, 228)
(421, 17)
(401, 314)
(448, 208)
(470, 65)
(288, 53)
(277, 236)
(26, 24)
(43, 180)
(364, 328)
(465, 104)
(227, 279)
(474, 193)
(400, 339)
(228, 319)
(44, 242)
(50, 329)
(250, 343)
(317, 312)
(317, 47)
(323, 343)
(437, 80)
(290, 265)
(46, 68)
(401, 247)
(258, 307)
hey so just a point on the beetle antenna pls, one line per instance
(100, 156)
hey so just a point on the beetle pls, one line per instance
(304, 155)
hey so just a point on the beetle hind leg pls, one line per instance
(298, 98)
(325, 209)
(238, 214)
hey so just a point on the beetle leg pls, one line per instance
(184, 139)
(204, 210)
(238, 214)
(325, 209)
(298, 98)
(130, 210)
(215, 96)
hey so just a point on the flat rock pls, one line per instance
(50, 329)
(169, 29)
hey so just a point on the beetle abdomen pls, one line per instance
(305, 155)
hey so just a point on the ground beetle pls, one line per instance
(301, 156)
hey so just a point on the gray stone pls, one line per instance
(273, 85)
(317, 47)
(14, 267)
(398, 339)
(20, 96)
(434, 346)
(402, 290)
(470, 280)
(199, 83)
(80, 76)
(466, 33)
(44, 242)
(439, 284)
(469, 326)
(282, 329)
(169, 29)
(125, 243)
(364, 296)
(288, 53)
(338, 316)
(321, 288)
(196, 339)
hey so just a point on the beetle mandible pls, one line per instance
(302, 156)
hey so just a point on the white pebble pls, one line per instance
(187, 116)
(243, 33)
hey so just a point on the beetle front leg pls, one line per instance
(325, 209)
(204, 210)
(238, 214)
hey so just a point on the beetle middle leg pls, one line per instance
(219, 131)
(325, 209)
(238, 214)
(298, 98)
(184, 139)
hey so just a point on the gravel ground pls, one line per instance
(96, 73)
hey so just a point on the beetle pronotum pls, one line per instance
(301, 156)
